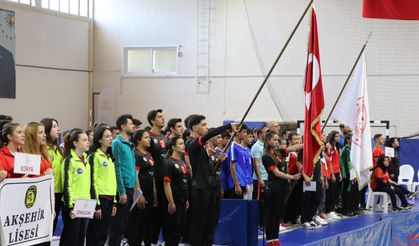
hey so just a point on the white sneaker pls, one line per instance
(314, 224)
(308, 226)
(320, 221)
(333, 216)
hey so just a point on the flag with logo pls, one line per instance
(353, 110)
(314, 102)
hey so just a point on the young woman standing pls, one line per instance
(277, 186)
(36, 143)
(335, 184)
(103, 180)
(77, 185)
(55, 154)
(176, 188)
(141, 216)
(12, 138)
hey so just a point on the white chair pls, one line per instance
(406, 176)
(415, 186)
(372, 200)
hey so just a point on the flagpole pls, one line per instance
(269, 73)
(347, 80)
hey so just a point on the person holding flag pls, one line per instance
(353, 110)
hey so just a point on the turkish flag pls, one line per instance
(391, 9)
(314, 102)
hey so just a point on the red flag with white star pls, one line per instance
(314, 102)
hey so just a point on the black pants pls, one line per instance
(362, 197)
(403, 188)
(206, 212)
(120, 220)
(57, 207)
(139, 229)
(158, 214)
(274, 205)
(310, 203)
(350, 194)
(97, 229)
(259, 194)
(189, 215)
(392, 193)
(74, 231)
(293, 205)
(175, 224)
(332, 194)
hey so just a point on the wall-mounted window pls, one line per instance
(150, 61)
(72, 7)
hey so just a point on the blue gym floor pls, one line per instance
(303, 236)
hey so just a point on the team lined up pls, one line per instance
(182, 176)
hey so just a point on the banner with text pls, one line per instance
(26, 210)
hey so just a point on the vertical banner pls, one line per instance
(26, 210)
(7, 54)
(106, 106)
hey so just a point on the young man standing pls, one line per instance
(137, 124)
(236, 155)
(248, 170)
(158, 150)
(204, 200)
(293, 207)
(378, 149)
(175, 128)
(122, 150)
(260, 176)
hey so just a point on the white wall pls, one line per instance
(49, 40)
(392, 58)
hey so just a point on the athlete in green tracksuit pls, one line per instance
(104, 183)
(77, 185)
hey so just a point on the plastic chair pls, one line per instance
(372, 200)
(406, 176)
(415, 186)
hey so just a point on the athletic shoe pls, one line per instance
(408, 206)
(397, 209)
(413, 194)
(411, 205)
(314, 224)
(333, 216)
(320, 221)
(308, 226)
(284, 225)
(323, 216)
(281, 228)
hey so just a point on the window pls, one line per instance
(150, 61)
(72, 7)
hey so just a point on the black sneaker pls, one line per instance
(397, 209)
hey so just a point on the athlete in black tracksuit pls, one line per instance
(141, 218)
(176, 175)
(158, 150)
(204, 199)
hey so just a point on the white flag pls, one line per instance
(353, 110)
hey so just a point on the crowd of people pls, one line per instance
(182, 174)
